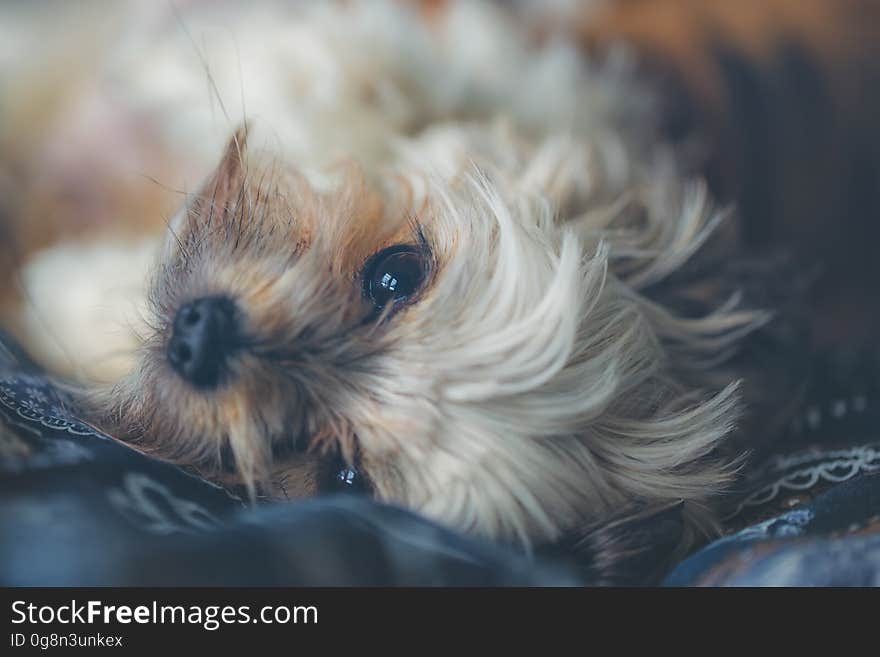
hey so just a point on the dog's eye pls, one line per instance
(394, 275)
(344, 479)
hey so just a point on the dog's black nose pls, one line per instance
(203, 336)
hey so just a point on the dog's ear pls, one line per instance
(633, 549)
(218, 195)
(224, 185)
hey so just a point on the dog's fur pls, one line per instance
(539, 381)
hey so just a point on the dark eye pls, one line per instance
(344, 479)
(394, 275)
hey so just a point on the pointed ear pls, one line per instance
(225, 183)
(219, 192)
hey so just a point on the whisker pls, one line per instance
(212, 83)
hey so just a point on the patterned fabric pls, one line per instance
(834, 540)
(810, 514)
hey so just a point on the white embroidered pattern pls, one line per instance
(151, 506)
(803, 470)
(33, 399)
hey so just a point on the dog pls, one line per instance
(441, 263)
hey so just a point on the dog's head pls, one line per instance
(448, 344)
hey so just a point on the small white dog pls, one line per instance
(424, 265)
